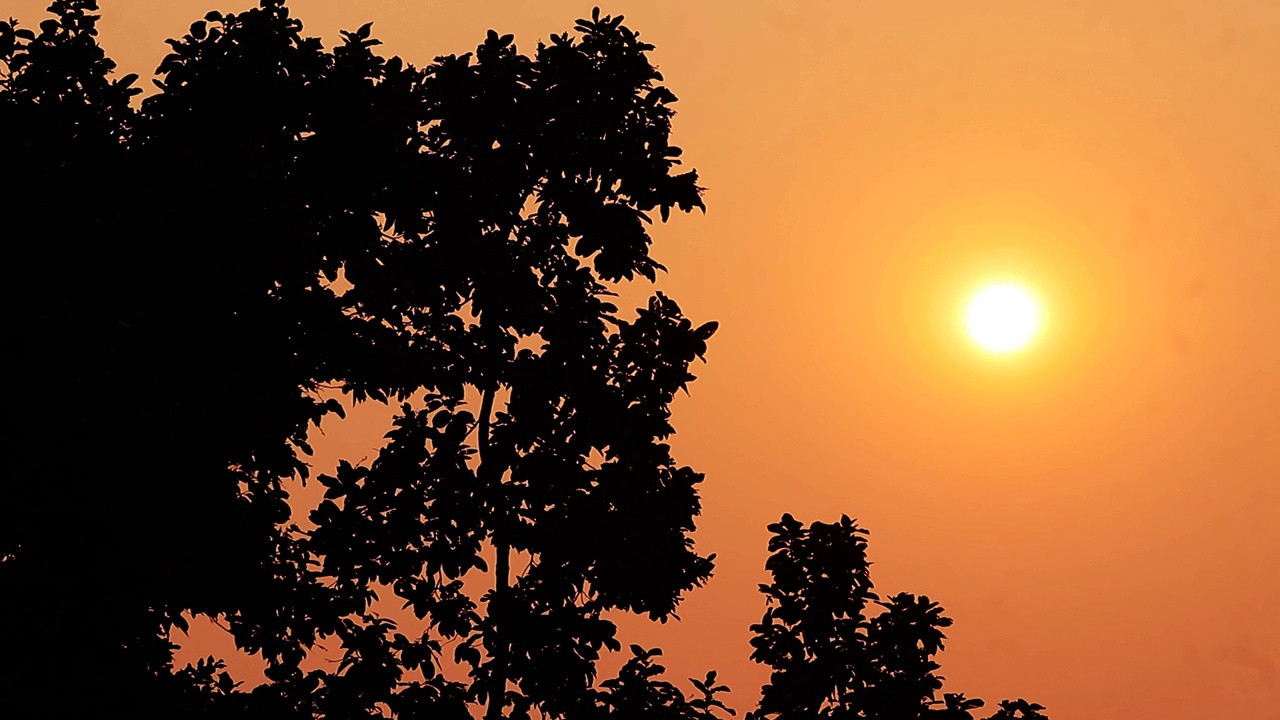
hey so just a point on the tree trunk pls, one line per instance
(502, 570)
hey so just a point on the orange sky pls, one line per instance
(1097, 514)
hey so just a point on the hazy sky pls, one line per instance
(1098, 514)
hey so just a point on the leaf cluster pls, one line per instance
(837, 650)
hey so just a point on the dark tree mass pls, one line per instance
(831, 655)
(200, 278)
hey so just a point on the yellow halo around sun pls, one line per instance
(1003, 317)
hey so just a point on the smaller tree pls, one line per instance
(832, 654)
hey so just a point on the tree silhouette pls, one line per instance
(198, 277)
(200, 274)
(832, 654)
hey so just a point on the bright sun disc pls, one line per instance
(1002, 317)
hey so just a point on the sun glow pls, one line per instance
(1002, 317)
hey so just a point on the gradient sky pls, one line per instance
(1098, 514)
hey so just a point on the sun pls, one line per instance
(1003, 317)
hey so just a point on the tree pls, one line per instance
(198, 277)
(833, 654)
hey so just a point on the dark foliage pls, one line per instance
(837, 650)
(200, 279)
(194, 280)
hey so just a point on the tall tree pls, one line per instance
(837, 650)
(279, 221)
